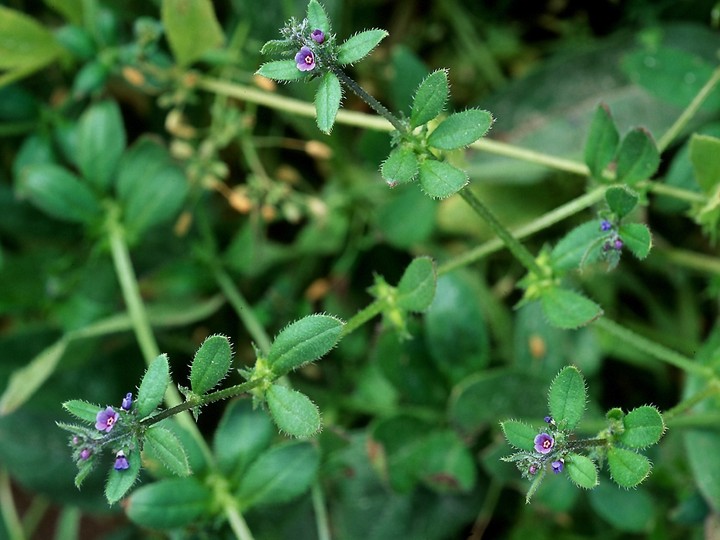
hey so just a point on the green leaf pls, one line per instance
(416, 289)
(25, 381)
(637, 238)
(82, 409)
(25, 45)
(455, 331)
(439, 179)
(702, 448)
(430, 98)
(602, 141)
(278, 46)
(664, 73)
(152, 188)
(211, 364)
(626, 510)
(100, 143)
(292, 411)
(643, 427)
(519, 434)
(443, 462)
(170, 504)
(279, 475)
(303, 341)
(567, 398)
(119, 482)
(581, 246)
(281, 70)
(317, 17)
(621, 200)
(241, 436)
(327, 101)
(637, 158)
(359, 46)
(627, 468)
(568, 309)
(191, 28)
(400, 167)
(705, 159)
(581, 470)
(72, 10)
(153, 386)
(168, 449)
(59, 193)
(461, 129)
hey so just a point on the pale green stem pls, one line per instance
(150, 349)
(691, 260)
(516, 248)
(676, 193)
(696, 420)
(34, 515)
(488, 509)
(689, 111)
(712, 388)
(242, 308)
(554, 216)
(656, 350)
(362, 316)
(7, 508)
(321, 517)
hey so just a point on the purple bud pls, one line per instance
(557, 466)
(121, 462)
(75, 440)
(305, 59)
(318, 35)
(544, 443)
(605, 225)
(549, 420)
(127, 402)
(105, 420)
(533, 469)
(85, 453)
(618, 244)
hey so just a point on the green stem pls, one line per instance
(586, 443)
(689, 112)
(242, 308)
(360, 92)
(656, 350)
(488, 509)
(363, 316)
(676, 193)
(516, 248)
(148, 345)
(10, 516)
(712, 388)
(692, 260)
(554, 216)
(321, 517)
(696, 420)
(218, 395)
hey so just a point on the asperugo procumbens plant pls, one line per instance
(135, 425)
(556, 447)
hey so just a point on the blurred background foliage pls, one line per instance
(301, 223)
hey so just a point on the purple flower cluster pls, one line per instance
(305, 58)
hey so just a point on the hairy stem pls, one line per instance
(516, 248)
(361, 317)
(360, 92)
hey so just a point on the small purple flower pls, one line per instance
(305, 59)
(318, 35)
(127, 402)
(533, 469)
(75, 440)
(549, 420)
(85, 453)
(106, 419)
(544, 443)
(121, 462)
(618, 244)
(605, 225)
(557, 466)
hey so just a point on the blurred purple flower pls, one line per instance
(85, 453)
(544, 443)
(121, 462)
(127, 402)
(605, 225)
(305, 59)
(106, 419)
(557, 466)
(318, 35)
